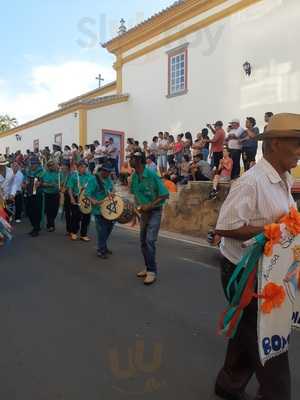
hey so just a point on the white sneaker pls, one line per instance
(142, 274)
(150, 278)
(18, 221)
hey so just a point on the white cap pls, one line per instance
(235, 121)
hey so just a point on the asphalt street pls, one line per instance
(74, 327)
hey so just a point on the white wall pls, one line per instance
(68, 125)
(265, 34)
(117, 117)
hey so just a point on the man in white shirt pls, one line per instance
(163, 145)
(234, 146)
(259, 197)
(113, 155)
(18, 191)
(6, 179)
(100, 156)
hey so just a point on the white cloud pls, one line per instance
(50, 85)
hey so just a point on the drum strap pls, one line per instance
(101, 185)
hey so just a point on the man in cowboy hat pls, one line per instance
(150, 194)
(6, 179)
(259, 197)
(99, 187)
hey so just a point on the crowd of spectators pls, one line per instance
(214, 154)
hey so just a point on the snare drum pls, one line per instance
(117, 209)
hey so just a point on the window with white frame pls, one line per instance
(58, 139)
(178, 71)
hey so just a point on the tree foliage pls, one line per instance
(7, 122)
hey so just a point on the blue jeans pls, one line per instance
(162, 161)
(150, 225)
(205, 153)
(103, 229)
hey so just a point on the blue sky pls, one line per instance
(51, 49)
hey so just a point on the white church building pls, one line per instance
(181, 69)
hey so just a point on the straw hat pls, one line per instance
(282, 126)
(3, 161)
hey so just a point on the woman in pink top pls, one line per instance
(178, 150)
(224, 173)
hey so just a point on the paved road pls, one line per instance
(74, 327)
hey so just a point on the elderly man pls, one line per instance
(259, 197)
(6, 179)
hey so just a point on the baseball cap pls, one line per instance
(235, 121)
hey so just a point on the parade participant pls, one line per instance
(99, 187)
(5, 228)
(79, 221)
(34, 193)
(65, 177)
(51, 185)
(150, 194)
(261, 196)
(18, 184)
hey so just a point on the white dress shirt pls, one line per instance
(234, 144)
(258, 198)
(17, 183)
(6, 184)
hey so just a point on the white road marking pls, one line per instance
(204, 265)
(179, 239)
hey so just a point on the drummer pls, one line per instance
(99, 187)
(150, 194)
(76, 184)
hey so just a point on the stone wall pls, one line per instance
(191, 212)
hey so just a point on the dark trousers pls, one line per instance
(18, 205)
(248, 156)
(171, 159)
(34, 211)
(79, 221)
(236, 158)
(242, 358)
(149, 229)
(67, 211)
(51, 208)
(200, 177)
(104, 229)
(217, 157)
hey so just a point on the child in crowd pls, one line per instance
(125, 173)
(185, 168)
(223, 174)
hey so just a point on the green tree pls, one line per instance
(7, 122)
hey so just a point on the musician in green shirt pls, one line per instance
(34, 194)
(99, 187)
(76, 184)
(51, 181)
(65, 179)
(150, 194)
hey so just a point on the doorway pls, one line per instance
(119, 141)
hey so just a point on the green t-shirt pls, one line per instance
(30, 174)
(148, 187)
(65, 178)
(52, 178)
(78, 182)
(94, 191)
